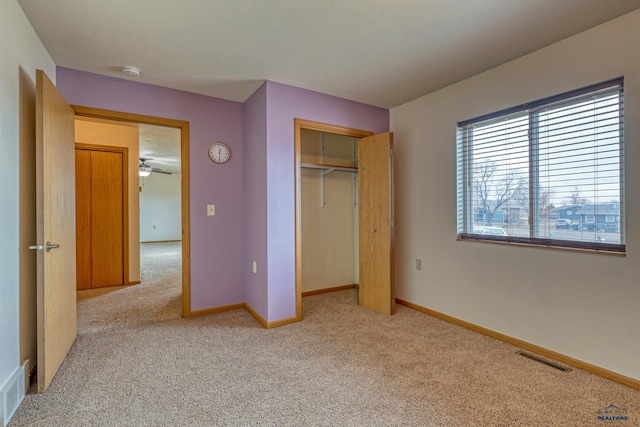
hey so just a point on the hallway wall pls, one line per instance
(160, 203)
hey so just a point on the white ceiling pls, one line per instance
(379, 52)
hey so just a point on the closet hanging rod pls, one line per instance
(329, 168)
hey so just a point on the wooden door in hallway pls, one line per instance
(100, 216)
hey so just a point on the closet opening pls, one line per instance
(328, 209)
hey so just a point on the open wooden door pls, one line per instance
(55, 216)
(375, 216)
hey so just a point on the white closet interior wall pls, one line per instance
(329, 232)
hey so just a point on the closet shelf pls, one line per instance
(329, 168)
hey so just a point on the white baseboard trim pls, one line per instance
(11, 394)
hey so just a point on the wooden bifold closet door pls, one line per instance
(99, 218)
(376, 237)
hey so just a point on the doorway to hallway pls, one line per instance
(183, 129)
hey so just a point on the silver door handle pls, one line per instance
(49, 246)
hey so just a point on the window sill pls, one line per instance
(535, 245)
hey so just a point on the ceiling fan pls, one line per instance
(145, 169)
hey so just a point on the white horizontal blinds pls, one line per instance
(460, 182)
(578, 146)
(497, 172)
(522, 169)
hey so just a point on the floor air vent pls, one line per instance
(543, 361)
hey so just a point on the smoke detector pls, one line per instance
(131, 71)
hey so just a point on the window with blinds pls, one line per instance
(549, 172)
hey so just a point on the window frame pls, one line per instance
(465, 215)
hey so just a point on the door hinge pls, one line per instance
(391, 152)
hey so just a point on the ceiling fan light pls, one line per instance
(144, 170)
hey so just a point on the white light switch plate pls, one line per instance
(211, 210)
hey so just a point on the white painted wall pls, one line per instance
(160, 208)
(21, 52)
(581, 305)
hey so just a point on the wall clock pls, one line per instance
(219, 152)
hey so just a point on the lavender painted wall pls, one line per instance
(284, 103)
(254, 193)
(255, 200)
(216, 242)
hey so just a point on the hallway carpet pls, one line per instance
(137, 363)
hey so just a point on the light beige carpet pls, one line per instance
(135, 363)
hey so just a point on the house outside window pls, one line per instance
(551, 162)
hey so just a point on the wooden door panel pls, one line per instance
(107, 243)
(375, 216)
(83, 219)
(55, 213)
